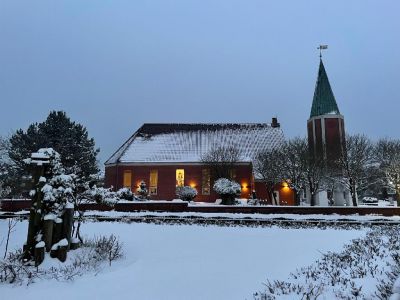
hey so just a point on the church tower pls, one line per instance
(325, 127)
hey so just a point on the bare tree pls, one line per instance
(387, 154)
(314, 175)
(301, 170)
(357, 164)
(4, 166)
(10, 229)
(222, 161)
(293, 167)
(269, 166)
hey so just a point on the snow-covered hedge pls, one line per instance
(186, 193)
(365, 269)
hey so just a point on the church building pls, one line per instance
(167, 156)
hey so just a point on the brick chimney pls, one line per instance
(274, 123)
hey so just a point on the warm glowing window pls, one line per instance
(127, 179)
(153, 182)
(205, 182)
(180, 177)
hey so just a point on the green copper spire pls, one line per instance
(324, 102)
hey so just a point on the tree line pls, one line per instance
(363, 166)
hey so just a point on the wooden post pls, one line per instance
(68, 222)
(39, 253)
(62, 250)
(54, 251)
(48, 231)
(57, 230)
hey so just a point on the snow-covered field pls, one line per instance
(186, 261)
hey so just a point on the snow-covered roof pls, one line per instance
(174, 143)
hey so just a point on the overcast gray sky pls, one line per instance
(113, 65)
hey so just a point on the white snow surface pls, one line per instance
(185, 262)
(191, 145)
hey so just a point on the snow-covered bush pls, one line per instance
(56, 186)
(90, 258)
(143, 192)
(104, 196)
(186, 193)
(108, 248)
(125, 194)
(227, 189)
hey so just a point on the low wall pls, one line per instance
(166, 206)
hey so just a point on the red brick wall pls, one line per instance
(286, 195)
(332, 138)
(310, 135)
(167, 179)
(318, 137)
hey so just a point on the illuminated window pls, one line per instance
(127, 181)
(153, 182)
(205, 182)
(180, 177)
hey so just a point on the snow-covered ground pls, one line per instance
(186, 261)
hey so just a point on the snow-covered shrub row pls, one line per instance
(186, 193)
(365, 269)
(89, 258)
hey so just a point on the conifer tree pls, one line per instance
(68, 138)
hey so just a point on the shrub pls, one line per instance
(143, 193)
(89, 258)
(186, 193)
(227, 189)
(125, 193)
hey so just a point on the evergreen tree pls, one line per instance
(68, 138)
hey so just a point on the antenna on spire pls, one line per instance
(320, 48)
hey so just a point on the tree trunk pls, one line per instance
(353, 194)
(271, 194)
(78, 231)
(312, 200)
(296, 197)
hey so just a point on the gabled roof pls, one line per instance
(324, 102)
(174, 143)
